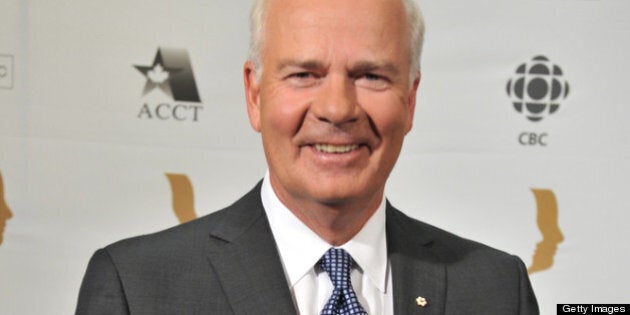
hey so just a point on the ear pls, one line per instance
(411, 102)
(252, 95)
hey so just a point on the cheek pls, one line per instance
(388, 112)
(282, 111)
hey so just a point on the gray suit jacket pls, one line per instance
(227, 263)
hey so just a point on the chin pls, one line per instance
(339, 195)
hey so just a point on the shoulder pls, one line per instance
(189, 238)
(168, 271)
(445, 246)
(477, 275)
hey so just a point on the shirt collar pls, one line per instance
(300, 248)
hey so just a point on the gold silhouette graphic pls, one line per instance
(5, 212)
(547, 219)
(183, 197)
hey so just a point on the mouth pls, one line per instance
(334, 148)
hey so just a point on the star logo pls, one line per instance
(157, 76)
(171, 73)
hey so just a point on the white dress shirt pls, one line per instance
(300, 250)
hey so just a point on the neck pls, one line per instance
(335, 222)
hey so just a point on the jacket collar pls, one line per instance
(417, 271)
(243, 254)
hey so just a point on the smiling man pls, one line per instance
(331, 87)
(332, 98)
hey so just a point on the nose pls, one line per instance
(337, 101)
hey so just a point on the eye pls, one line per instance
(302, 79)
(301, 75)
(372, 81)
(371, 77)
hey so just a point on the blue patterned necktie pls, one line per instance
(343, 301)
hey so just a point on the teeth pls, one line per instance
(329, 148)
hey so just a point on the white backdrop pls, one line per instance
(83, 165)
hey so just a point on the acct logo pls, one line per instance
(172, 74)
(537, 88)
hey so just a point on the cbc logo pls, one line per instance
(532, 138)
(537, 88)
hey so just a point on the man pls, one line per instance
(331, 87)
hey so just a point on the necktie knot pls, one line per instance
(337, 264)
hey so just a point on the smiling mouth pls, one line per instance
(338, 149)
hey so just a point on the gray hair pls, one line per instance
(414, 19)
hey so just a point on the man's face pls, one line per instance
(334, 100)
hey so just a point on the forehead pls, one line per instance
(297, 24)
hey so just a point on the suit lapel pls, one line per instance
(416, 270)
(243, 254)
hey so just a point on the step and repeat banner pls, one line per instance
(120, 118)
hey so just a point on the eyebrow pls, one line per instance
(369, 66)
(359, 67)
(308, 64)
